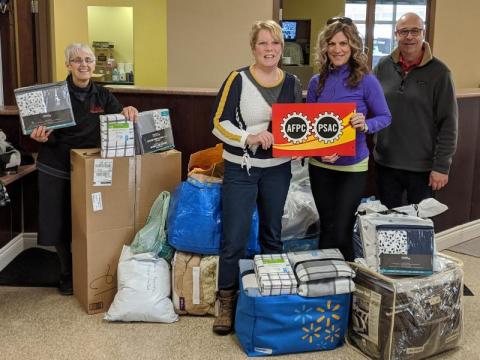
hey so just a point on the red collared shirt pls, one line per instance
(406, 68)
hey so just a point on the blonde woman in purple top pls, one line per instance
(337, 181)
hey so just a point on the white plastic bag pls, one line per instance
(299, 212)
(143, 289)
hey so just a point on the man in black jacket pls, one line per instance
(415, 152)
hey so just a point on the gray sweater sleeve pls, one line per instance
(446, 121)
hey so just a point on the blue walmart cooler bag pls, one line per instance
(195, 219)
(272, 325)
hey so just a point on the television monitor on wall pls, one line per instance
(289, 30)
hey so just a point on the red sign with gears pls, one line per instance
(313, 129)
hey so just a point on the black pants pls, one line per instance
(54, 210)
(393, 183)
(265, 188)
(337, 195)
(54, 217)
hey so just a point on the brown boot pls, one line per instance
(223, 324)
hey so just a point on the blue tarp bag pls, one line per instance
(195, 219)
(272, 325)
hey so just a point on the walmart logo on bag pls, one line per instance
(322, 328)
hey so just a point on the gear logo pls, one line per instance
(327, 127)
(295, 128)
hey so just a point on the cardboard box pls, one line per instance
(102, 55)
(104, 70)
(313, 129)
(111, 199)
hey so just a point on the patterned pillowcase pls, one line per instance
(31, 103)
(392, 242)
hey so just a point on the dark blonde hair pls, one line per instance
(268, 25)
(358, 58)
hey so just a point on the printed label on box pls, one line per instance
(97, 201)
(102, 172)
(313, 129)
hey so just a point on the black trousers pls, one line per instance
(393, 183)
(337, 195)
(54, 210)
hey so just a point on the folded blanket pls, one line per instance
(275, 275)
(319, 264)
(249, 279)
(335, 286)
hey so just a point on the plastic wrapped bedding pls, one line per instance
(299, 212)
(407, 318)
(395, 243)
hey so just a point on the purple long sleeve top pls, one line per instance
(370, 100)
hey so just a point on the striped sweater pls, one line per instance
(243, 107)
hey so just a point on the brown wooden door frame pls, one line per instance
(277, 9)
(43, 44)
(25, 43)
(26, 55)
(9, 70)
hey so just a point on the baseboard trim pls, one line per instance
(11, 250)
(18, 244)
(457, 235)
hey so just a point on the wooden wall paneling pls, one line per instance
(475, 210)
(431, 7)
(11, 214)
(9, 72)
(42, 41)
(10, 124)
(30, 202)
(459, 192)
(15, 193)
(5, 224)
(25, 40)
(190, 116)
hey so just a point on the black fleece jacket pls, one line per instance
(54, 155)
(423, 132)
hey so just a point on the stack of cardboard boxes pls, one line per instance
(103, 52)
(111, 199)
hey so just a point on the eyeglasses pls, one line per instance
(79, 60)
(340, 19)
(405, 32)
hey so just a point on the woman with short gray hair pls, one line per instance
(88, 101)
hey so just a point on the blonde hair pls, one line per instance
(268, 25)
(358, 61)
(73, 49)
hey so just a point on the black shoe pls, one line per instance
(65, 284)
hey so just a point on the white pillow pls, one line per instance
(143, 289)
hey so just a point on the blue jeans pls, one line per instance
(265, 188)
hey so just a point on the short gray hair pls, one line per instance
(73, 49)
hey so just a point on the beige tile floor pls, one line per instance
(38, 323)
